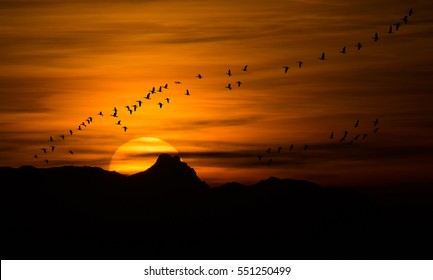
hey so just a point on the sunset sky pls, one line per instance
(64, 61)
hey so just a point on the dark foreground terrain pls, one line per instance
(167, 212)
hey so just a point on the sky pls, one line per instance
(62, 62)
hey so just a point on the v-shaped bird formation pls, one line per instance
(344, 137)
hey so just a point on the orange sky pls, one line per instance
(63, 61)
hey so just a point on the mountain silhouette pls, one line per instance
(167, 212)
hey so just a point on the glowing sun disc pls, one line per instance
(139, 154)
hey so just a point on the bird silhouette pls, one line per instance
(410, 12)
(70, 131)
(79, 127)
(375, 122)
(229, 73)
(245, 68)
(35, 156)
(118, 122)
(114, 114)
(177, 82)
(124, 128)
(187, 92)
(168, 100)
(130, 111)
(199, 76)
(300, 64)
(332, 135)
(135, 107)
(51, 139)
(52, 148)
(239, 83)
(148, 96)
(83, 124)
(405, 19)
(127, 107)
(350, 142)
(323, 56)
(62, 136)
(359, 45)
(364, 136)
(45, 150)
(279, 149)
(229, 86)
(160, 89)
(343, 50)
(71, 152)
(390, 30)
(344, 136)
(100, 114)
(357, 123)
(152, 91)
(397, 26)
(115, 110)
(139, 102)
(46, 161)
(286, 68)
(292, 147)
(376, 37)
(376, 129)
(160, 104)
(166, 86)
(356, 137)
(268, 150)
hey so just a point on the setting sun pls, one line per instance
(139, 154)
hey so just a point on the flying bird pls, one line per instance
(245, 68)
(300, 64)
(139, 102)
(124, 128)
(357, 123)
(229, 73)
(36, 156)
(199, 76)
(376, 129)
(62, 136)
(152, 91)
(390, 30)
(356, 137)
(279, 149)
(70, 131)
(323, 56)
(168, 100)
(375, 122)
(135, 107)
(79, 127)
(286, 68)
(359, 45)
(177, 82)
(160, 104)
(343, 50)
(115, 110)
(410, 12)
(130, 111)
(397, 26)
(46, 161)
(52, 148)
(291, 147)
(166, 86)
(51, 139)
(376, 37)
(364, 136)
(239, 83)
(187, 92)
(229, 86)
(118, 122)
(83, 124)
(100, 114)
(71, 152)
(45, 150)
(344, 136)
(332, 135)
(350, 142)
(268, 150)
(160, 89)
(114, 114)
(148, 96)
(405, 19)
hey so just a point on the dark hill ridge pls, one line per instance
(167, 212)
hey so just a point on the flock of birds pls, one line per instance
(131, 109)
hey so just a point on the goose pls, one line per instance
(245, 68)
(286, 68)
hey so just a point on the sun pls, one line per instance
(139, 154)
